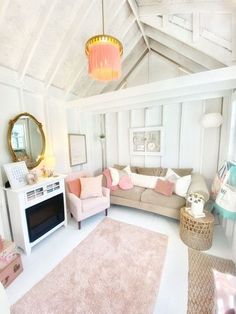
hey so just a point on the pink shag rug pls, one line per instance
(116, 269)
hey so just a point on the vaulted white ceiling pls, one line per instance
(45, 39)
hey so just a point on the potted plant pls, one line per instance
(196, 202)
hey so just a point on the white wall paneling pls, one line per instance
(111, 138)
(29, 96)
(190, 147)
(210, 143)
(137, 120)
(153, 117)
(123, 137)
(184, 145)
(172, 135)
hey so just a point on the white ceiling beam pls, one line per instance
(153, 104)
(216, 39)
(182, 48)
(3, 8)
(219, 81)
(129, 66)
(176, 57)
(165, 20)
(35, 37)
(126, 26)
(219, 41)
(81, 66)
(169, 7)
(135, 10)
(210, 48)
(78, 20)
(196, 26)
(130, 71)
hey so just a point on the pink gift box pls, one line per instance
(11, 271)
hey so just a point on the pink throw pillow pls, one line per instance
(126, 183)
(74, 187)
(164, 187)
(109, 185)
(91, 187)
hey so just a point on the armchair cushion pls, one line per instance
(90, 204)
(74, 186)
(91, 187)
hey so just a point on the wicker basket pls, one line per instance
(196, 232)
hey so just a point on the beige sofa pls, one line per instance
(149, 200)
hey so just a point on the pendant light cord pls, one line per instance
(103, 27)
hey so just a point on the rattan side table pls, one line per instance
(196, 233)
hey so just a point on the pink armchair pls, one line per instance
(81, 209)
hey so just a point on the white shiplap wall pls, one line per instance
(186, 143)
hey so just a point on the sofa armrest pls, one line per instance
(198, 185)
(105, 192)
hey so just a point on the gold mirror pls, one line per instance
(26, 139)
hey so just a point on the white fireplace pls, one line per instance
(36, 211)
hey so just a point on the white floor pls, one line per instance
(172, 296)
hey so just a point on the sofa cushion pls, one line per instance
(125, 183)
(152, 197)
(121, 167)
(181, 183)
(164, 187)
(133, 194)
(150, 171)
(107, 180)
(180, 171)
(144, 181)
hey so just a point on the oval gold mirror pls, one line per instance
(26, 139)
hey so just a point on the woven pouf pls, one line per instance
(196, 233)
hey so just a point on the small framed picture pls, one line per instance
(77, 149)
(146, 141)
(16, 174)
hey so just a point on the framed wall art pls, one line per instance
(146, 141)
(16, 174)
(77, 149)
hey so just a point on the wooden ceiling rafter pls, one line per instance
(170, 7)
(35, 37)
(135, 11)
(77, 22)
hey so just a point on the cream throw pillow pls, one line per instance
(143, 181)
(181, 183)
(91, 187)
(115, 174)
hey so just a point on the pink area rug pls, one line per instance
(116, 269)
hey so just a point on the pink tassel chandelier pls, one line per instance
(104, 56)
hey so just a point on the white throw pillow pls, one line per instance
(127, 169)
(143, 180)
(181, 183)
(115, 177)
(115, 174)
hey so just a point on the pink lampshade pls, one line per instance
(104, 57)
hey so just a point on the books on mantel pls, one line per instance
(202, 215)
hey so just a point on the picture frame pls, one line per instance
(16, 174)
(77, 149)
(146, 141)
